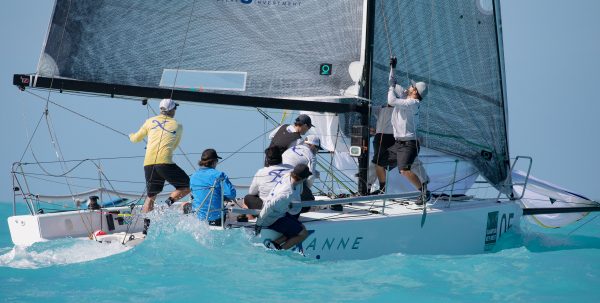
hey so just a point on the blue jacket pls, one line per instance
(206, 188)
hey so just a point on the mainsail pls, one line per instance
(301, 50)
(254, 48)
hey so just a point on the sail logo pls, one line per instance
(282, 3)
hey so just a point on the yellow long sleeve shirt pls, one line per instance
(164, 135)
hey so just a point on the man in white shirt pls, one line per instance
(278, 211)
(265, 179)
(305, 153)
(405, 120)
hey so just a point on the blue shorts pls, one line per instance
(288, 225)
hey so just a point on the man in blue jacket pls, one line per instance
(207, 183)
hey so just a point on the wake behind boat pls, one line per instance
(330, 64)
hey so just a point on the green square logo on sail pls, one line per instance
(325, 69)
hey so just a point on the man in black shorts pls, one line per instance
(405, 120)
(382, 141)
(164, 135)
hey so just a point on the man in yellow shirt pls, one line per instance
(164, 135)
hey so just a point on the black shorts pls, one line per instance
(157, 174)
(381, 144)
(253, 202)
(403, 154)
(288, 225)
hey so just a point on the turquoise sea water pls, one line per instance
(181, 261)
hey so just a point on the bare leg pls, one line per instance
(380, 171)
(412, 178)
(250, 217)
(179, 193)
(295, 240)
(418, 169)
(148, 204)
(280, 240)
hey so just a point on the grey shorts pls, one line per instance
(403, 154)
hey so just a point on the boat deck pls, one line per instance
(375, 209)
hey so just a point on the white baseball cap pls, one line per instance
(421, 87)
(314, 140)
(167, 104)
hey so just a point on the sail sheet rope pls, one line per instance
(56, 146)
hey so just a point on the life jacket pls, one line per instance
(283, 138)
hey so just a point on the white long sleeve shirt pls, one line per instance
(384, 121)
(266, 178)
(279, 201)
(301, 154)
(405, 117)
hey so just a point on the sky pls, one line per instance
(551, 51)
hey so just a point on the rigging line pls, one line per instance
(76, 113)
(402, 38)
(334, 178)
(332, 157)
(582, 225)
(455, 181)
(430, 36)
(58, 150)
(235, 152)
(385, 27)
(264, 138)
(33, 175)
(55, 175)
(333, 168)
(187, 30)
(33, 135)
(267, 116)
(101, 174)
(59, 155)
(28, 202)
(331, 171)
(283, 116)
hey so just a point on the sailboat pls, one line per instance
(328, 60)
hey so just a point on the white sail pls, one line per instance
(542, 194)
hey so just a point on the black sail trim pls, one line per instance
(23, 80)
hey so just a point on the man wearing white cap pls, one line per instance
(405, 120)
(305, 153)
(164, 135)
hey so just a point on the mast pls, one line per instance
(499, 44)
(363, 161)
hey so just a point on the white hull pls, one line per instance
(28, 229)
(468, 227)
(359, 232)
